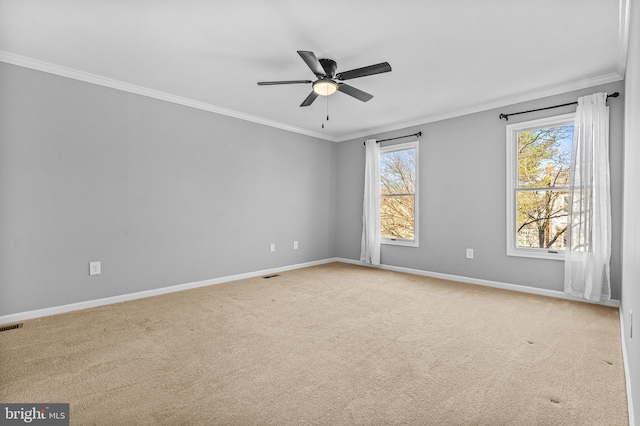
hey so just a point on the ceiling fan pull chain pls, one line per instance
(327, 108)
(327, 112)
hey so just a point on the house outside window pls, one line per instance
(399, 194)
(538, 170)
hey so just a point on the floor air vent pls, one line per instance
(9, 327)
(271, 276)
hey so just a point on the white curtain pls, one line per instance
(589, 224)
(370, 249)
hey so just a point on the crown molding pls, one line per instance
(37, 65)
(498, 103)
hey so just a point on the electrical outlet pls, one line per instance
(469, 253)
(295, 245)
(273, 248)
(95, 268)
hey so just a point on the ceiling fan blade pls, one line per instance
(364, 71)
(312, 62)
(356, 93)
(312, 97)
(271, 83)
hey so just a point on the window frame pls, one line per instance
(512, 131)
(404, 147)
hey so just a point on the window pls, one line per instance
(398, 194)
(538, 168)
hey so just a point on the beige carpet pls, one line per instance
(334, 344)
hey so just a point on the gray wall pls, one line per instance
(161, 194)
(631, 213)
(462, 200)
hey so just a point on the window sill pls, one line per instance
(404, 243)
(536, 254)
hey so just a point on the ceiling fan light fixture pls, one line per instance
(325, 87)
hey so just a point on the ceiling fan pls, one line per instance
(327, 84)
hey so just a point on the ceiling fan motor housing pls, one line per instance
(329, 67)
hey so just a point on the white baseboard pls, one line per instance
(45, 312)
(627, 376)
(38, 313)
(486, 283)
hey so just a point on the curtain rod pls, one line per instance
(506, 116)
(399, 137)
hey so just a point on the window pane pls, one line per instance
(542, 219)
(544, 156)
(396, 217)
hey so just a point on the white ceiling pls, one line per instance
(449, 57)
